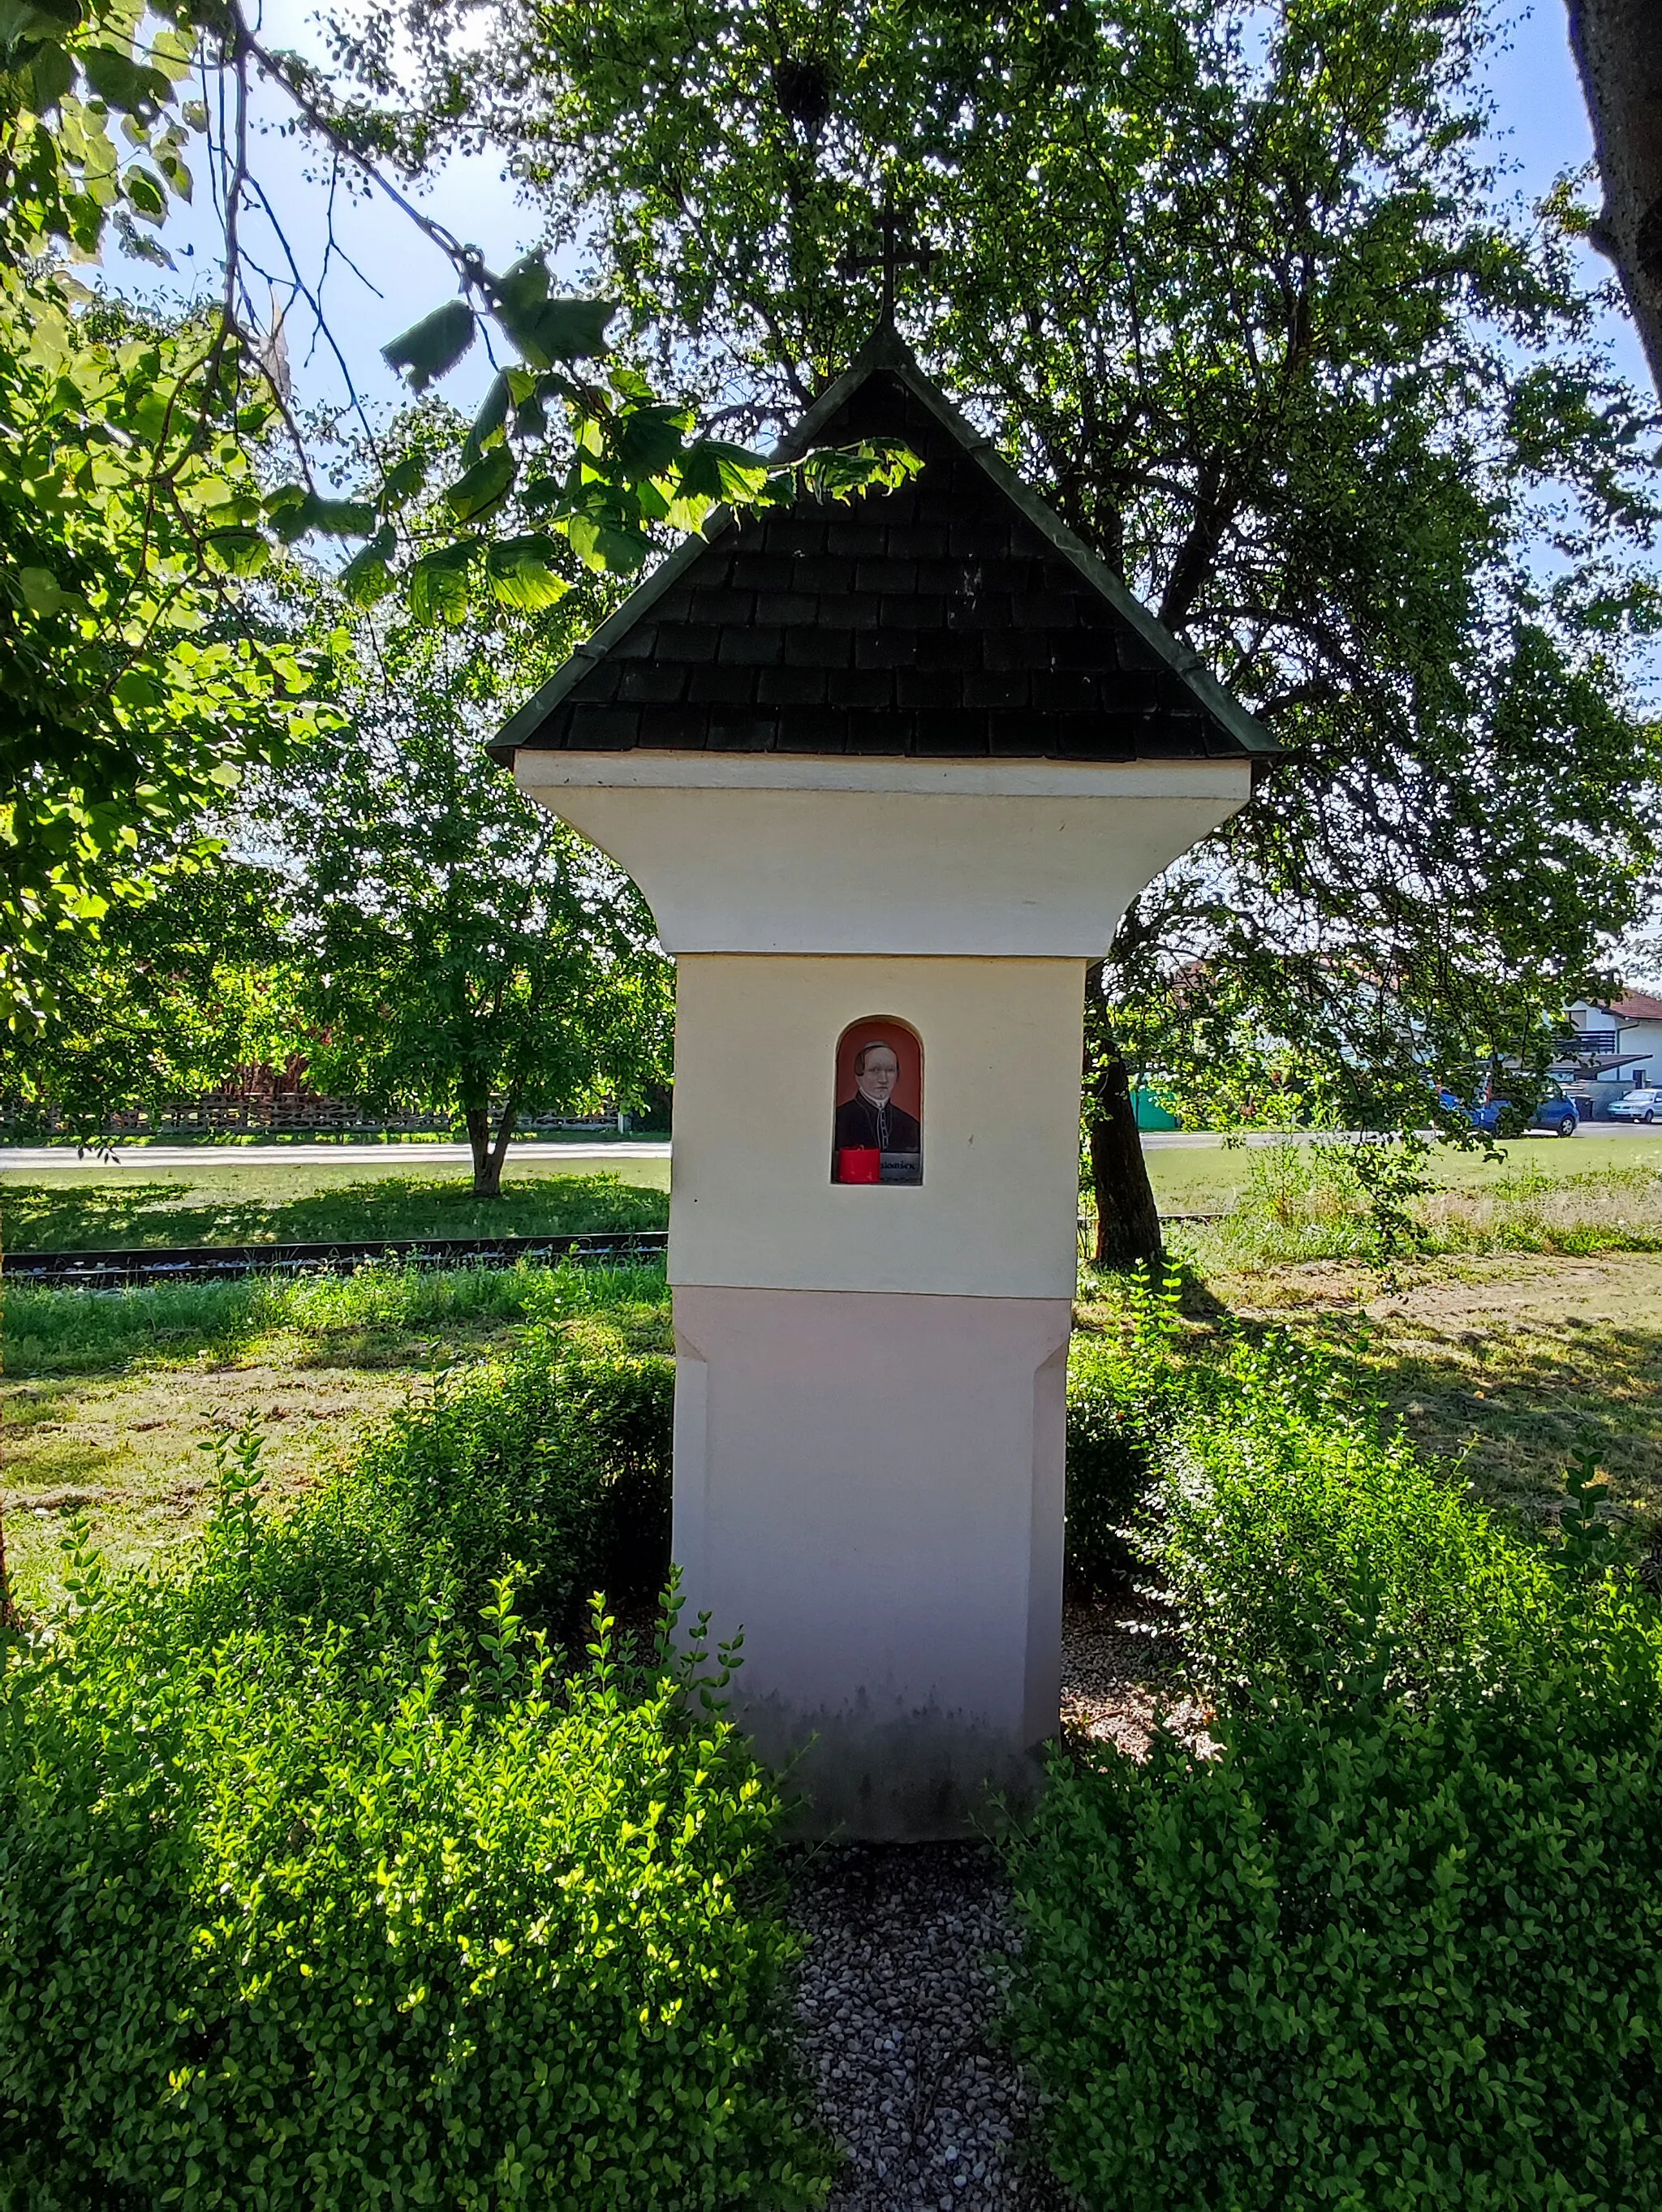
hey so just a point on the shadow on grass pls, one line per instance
(1513, 1404)
(119, 1215)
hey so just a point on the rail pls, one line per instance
(120, 1269)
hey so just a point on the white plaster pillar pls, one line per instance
(870, 1378)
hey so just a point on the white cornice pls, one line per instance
(550, 771)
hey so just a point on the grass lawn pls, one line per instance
(1511, 1358)
(1212, 1179)
(267, 1202)
(1504, 1363)
(108, 1395)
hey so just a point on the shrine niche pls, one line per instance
(877, 1125)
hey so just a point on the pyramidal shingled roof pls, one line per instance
(954, 619)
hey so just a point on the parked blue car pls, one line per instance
(1558, 1112)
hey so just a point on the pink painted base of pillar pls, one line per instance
(870, 1484)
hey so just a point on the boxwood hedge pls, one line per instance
(327, 1879)
(1391, 1938)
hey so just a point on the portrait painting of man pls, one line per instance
(872, 1122)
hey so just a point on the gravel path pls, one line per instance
(1122, 1670)
(899, 1988)
(895, 2005)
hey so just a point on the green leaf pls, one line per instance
(482, 486)
(341, 517)
(521, 289)
(607, 546)
(51, 76)
(146, 194)
(404, 481)
(243, 552)
(284, 509)
(368, 577)
(122, 84)
(543, 492)
(489, 422)
(294, 512)
(521, 573)
(560, 330)
(173, 53)
(645, 440)
(42, 592)
(432, 347)
(439, 583)
(37, 19)
(715, 470)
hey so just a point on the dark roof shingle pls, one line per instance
(955, 618)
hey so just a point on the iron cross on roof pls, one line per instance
(894, 256)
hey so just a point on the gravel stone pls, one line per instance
(900, 1986)
(896, 1996)
(1123, 1670)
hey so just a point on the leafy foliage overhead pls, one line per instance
(1237, 290)
(136, 504)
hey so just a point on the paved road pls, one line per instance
(35, 1156)
(32, 1157)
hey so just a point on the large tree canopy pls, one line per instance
(453, 944)
(1234, 288)
(148, 472)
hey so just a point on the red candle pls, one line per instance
(859, 1164)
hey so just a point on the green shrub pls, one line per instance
(618, 1415)
(548, 1462)
(1366, 1957)
(480, 1941)
(1119, 1396)
(1295, 1527)
(1395, 1939)
(318, 1888)
(1108, 1469)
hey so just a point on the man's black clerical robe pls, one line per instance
(862, 1127)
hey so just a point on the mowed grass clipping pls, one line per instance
(110, 1394)
(265, 1202)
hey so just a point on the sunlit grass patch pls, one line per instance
(110, 1393)
(1304, 1201)
(49, 1331)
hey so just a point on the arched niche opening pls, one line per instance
(877, 1118)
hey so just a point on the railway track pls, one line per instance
(121, 1269)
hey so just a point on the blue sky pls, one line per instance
(1541, 131)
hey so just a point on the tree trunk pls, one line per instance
(1618, 50)
(487, 1161)
(499, 1150)
(1128, 1220)
(489, 1155)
